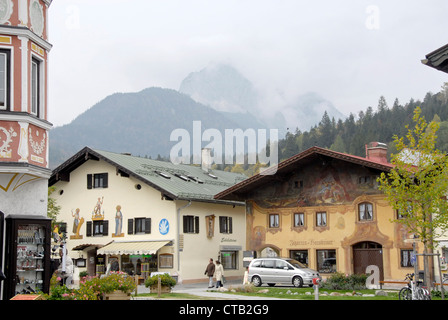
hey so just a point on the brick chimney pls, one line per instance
(376, 151)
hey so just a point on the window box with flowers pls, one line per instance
(166, 283)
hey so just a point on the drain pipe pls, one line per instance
(178, 232)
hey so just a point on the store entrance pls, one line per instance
(366, 254)
(141, 265)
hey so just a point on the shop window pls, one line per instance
(97, 180)
(166, 261)
(97, 228)
(191, 224)
(225, 225)
(299, 219)
(406, 258)
(5, 79)
(274, 220)
(299, 255)
(326, 261)
(365, 211)
(229, 260)
(321, 219)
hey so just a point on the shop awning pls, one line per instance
(132, 247)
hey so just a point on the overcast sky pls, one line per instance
(349, 51)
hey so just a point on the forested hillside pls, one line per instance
(380, 124)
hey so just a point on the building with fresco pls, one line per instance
(24, 126)
(323, 208)
(147, 216)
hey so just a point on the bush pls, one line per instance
(165, 279)
(340, 281)
(91, 288)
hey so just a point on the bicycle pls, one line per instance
(414, 290)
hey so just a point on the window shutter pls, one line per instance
(105, 180)
(89, 181)
(147, 225)
(185, 220)
(130, 226)
(196, 224)
(105, 227)
(230, 225)
(222, 224)
(89, 229)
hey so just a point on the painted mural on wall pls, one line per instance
(77, 223)
(98, 212)
(333, 184)
(118, 223)
(23, 142)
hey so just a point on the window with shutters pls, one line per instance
(97, 180)
(139, 226)
(191, 224)
(97, 228)
(225, 225)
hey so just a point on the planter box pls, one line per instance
(117, 295)
(163, 289)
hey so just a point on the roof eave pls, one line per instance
(232, 192)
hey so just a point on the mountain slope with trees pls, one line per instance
(352, 134)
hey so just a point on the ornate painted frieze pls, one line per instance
(6, 9)
(23, 142)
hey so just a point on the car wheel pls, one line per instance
(297, 282)
(256, 281)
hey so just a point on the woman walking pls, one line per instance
(219, 274)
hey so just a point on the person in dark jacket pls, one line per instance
(210, 271)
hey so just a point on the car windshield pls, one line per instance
(297, 264)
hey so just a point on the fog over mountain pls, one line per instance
(224, 88)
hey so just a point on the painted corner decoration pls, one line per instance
(164, 226)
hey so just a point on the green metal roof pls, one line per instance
(181, 182)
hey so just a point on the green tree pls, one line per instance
(417, 184)
(52, 207)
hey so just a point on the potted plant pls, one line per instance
(117, 286)
(166, 283)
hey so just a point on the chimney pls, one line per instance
(376, 151)
(206, 159)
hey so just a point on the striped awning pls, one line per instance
(132, 247)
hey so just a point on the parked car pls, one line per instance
(280, 270)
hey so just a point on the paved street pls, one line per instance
(201, 290)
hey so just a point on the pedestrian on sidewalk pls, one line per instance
(219, 274)
(210, 271)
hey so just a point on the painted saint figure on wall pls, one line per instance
(118, 223)
(77, 223)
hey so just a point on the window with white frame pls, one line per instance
(4, 79)
(299, 219)
(274, 220)
(321, 219)
(365, 211)
(35, 86)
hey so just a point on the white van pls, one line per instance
(280, 270)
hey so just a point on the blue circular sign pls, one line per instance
(164, 226)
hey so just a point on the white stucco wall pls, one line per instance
(147, 202)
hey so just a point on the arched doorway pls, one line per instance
(365, 254)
